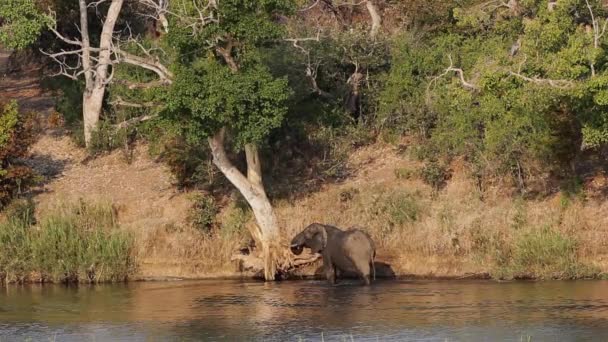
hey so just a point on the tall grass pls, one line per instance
(77, 243)
(546, 253)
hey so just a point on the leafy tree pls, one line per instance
(516, 87)
(21, 22)
(221, 86)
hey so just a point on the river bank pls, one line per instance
(450, 235)
(450, 232)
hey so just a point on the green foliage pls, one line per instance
(17, 133)
(233, 223)
(249, 22)
(79, 243)
(21, 22)
(22, 211)
(546, 253)
(203, 213)
(209, 96)
(435, 175)
(534, 91)
(398, 208)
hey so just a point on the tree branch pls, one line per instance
(122, 103)
(135, 120)
(311, 71)
(376, 19)
(141, 85)
(562, 84)
(458, 71)
(64, 39)
(147, 63)
(310, 7)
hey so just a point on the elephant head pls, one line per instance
(314, 237)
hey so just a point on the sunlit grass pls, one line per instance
(76, 243)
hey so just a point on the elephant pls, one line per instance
(342, 250)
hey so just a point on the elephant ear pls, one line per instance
(318, 239)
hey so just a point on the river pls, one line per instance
(307, 311)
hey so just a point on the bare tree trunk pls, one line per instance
(96, 77)
(376, 19)
(254, 166)
(92, 102)
(252, 189)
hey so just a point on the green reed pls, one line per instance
(76, 243)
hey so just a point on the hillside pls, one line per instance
(455, 233)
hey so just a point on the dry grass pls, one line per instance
(450, 234)
(456, 233)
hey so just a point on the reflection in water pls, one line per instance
(388, 310)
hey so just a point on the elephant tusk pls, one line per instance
(294, 245)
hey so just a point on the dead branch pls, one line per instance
(458, 71)
(122, 103)
(562, 84)
(254, 263)
(147, 63)
(376, 18)
(311, 68)
(308, 8)
(354, 4)
(136, 120)
(64, 39)
(597, 33)
(160, 8)
(141, 85)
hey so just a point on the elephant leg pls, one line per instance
(330, 274)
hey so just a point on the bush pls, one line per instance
(203, 213)
(80, 243)
(403, 173)
(107, 138)
(21, 210)
(546, 253)
(399, 208)
(17, 133)
(435, 175)
(233, 224)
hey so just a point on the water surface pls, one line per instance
(308, 311)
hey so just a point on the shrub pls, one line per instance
(546, 253)
(17, 133)
(107, 138)
(21, 210)
(435, 175)
(399, 208)
(203, 213)
(403, 173)
(233, 224)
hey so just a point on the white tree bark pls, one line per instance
(92, 101)
(96, 69)
(376, 19)
(252, 189)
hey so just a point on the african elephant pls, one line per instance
(342, 250)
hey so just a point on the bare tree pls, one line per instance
(96, 64)
(597, 33)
